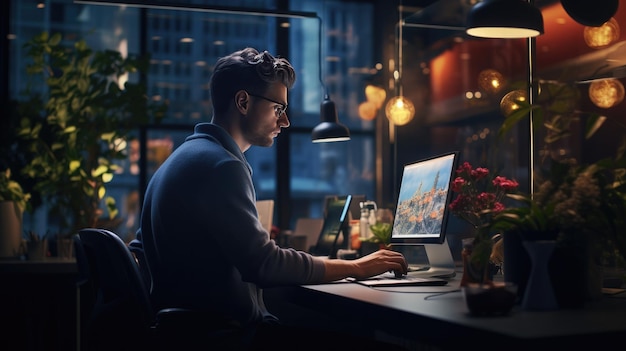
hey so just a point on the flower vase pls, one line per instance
(476, 265)
(539, 294)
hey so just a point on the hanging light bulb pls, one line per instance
(491, 81)
(400, 110)
(367, 110)
(606, 93)
(376, 95)
(508, 104)
(602, 36)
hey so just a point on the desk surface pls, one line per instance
(427, 313)
(49, 265)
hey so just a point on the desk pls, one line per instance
(420, 316)
(38, 304)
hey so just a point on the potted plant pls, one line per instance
(381, 234)
(13, 202)
(578, 205)
(480, 195)
(74, 124)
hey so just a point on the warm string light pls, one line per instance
(376, 95)
(491, 81)
(375, 98)
(602, 36)
(367, 110)
(508, 104)
(606, 93)
(400, 110)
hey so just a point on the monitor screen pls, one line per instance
(355, 204)
(422, 206)
(335, 220)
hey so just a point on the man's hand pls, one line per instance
(373, 264)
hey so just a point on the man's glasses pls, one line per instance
(279, 109)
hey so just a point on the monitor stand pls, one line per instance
(440, 261)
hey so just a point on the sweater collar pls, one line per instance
(220, 135)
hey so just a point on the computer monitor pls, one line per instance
(335, 224)
(422, 211)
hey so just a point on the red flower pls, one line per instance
(479, 199)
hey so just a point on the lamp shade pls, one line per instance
(329, 129)
(590, 13)
(504, 19)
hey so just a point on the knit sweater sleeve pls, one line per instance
(242, 236)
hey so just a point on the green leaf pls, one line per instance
(594, 123)
(74, 165)
(55, 39)
(99, 171)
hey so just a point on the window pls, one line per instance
(180, 73)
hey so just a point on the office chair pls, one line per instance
(115, 308)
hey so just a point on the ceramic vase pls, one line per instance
(10, 230)
(539, 293)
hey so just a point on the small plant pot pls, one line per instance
(494, 299)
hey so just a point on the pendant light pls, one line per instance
(505, 19)
(590, 13)
(329, 129)
(399, 110)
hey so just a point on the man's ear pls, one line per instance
(241, 101)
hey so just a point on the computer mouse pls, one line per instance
(398, 274)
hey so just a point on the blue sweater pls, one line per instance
(202, 238)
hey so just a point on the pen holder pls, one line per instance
(37, 250)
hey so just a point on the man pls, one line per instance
(204, 244)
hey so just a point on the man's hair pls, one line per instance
(248, 70)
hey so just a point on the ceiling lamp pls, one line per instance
(590, 13)
(329, 129)
(400, 110)
(606, 93)
(504, 19)
(602, 36)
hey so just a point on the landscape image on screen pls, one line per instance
(423, 198)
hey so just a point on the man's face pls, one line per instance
(266, 117)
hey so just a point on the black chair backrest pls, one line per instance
(114, 302)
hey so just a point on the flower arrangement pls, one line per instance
(479, 198)
(572, 202)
